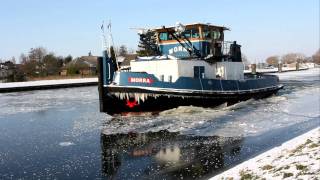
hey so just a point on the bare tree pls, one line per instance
(273, 60)
(67, 59)
(13, 60)
(29, 67)
(36, 56)
(245, 59)
(292, 58)
(123, 50)
(50, 65)
(23, 58)
(316, 57)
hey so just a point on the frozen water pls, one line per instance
(298, 102)
(57, 134)
(66, 143)
(33, 101)
(47, 82)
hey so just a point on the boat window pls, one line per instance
(170, 37)
(195, 33)
(206, 34)
(163, 36)
(216, 34)
(198, 72)
(187, 33)
(162, 78)
(170, 78)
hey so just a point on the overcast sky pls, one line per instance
(263, 28)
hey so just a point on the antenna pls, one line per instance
(111, 43)
(104, 40)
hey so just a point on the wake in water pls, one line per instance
(245, 118)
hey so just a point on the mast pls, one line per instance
(103, 36)
(111, 43)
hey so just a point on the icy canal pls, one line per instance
(59, 134)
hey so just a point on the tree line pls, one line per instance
(38, 62)
(293, 58)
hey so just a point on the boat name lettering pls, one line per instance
(140, 80)
(177, 49)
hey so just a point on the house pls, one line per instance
(91, 62)
(84, 65)
(124, 61)
(6, 70)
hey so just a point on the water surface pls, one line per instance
(60, 134)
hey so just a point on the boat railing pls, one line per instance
(225, 47)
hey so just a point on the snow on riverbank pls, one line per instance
(298, 158)
(299, 75)
(47, 82)
(274, 70)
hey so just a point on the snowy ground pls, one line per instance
(298, 158)
(273, 70)
(47, 82)
(300, 75)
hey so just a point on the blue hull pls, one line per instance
(139, 92)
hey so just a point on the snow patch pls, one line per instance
(297, 158)
(47, 82)
(67, 143)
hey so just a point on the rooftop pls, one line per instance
(195, 24)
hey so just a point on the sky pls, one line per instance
(263, 28)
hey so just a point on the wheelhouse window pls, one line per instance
(162, 78)
(216, 34)
(206, 33)
(195, 33)
(187, 33)
(163, 36)
(191, 33)
(170, 78)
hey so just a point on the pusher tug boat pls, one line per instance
(193, 65)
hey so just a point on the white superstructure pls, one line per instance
(170, 70)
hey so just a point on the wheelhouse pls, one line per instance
(195, 37)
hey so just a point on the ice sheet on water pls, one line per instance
(67, 143)
(47, 82)
(31, 101)
(89, 122)
(185, 110)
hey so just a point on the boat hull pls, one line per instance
(118, 99)
(125, 91)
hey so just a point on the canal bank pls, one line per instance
(297, 158)
(46, 84)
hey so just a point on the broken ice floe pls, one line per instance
(68, 143)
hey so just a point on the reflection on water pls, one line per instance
(164, 155)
